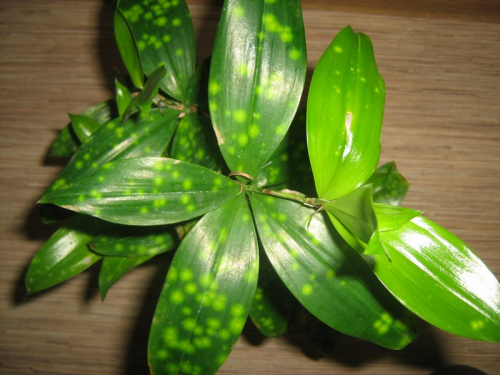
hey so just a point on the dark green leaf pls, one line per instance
(83, 126)
(164, 34)
(389, 186)
(114, 268)
(123, 97)
(355, 211)
(326, 276)
(207, 294)
(134, 138)
(127, 241)
(142, 102)
(256, 79)
(438, 277)
(270, 310)
(393, 217)
(67, 142)
(146, 191)
(319, 336)
(197, 93)
(194, 141)
(128, 49)
(289, 166)
(65, 254)
(344, 115)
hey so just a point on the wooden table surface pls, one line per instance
(441, 64)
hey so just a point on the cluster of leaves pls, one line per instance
(220, 153)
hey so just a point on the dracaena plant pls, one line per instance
(213, 163)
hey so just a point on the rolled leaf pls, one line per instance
(114, 268)
(344, 115)
(438, 277)
(123, 97)
(207, 294)
(388, 185)
(65, 254)
(128, 49)
(143, 100)
(134, 138)
(83, 126)
(67, 142)
(146, 191)
(355, 211)
(164, 35)
(326, 276)
(392, 217)
(131, 242)
(256, 79)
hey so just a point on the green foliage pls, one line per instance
(266, 223)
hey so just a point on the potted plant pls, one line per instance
(214, 163)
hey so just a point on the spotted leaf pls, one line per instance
(67, 142)
(130, 241)
(146, 191)
(194, 141)
(438, 277)
(344, 115)
(65, 254)
(256, 79)
(134, 138)
(389, 186)
(326, 276)
(83, 126)
(207, 294)
(272, 304)
(128, 49)
(164, 35)
(114, 268)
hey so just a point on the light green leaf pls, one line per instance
(355, 211)
(123, 97)
(326, 276)
(146, 191)
(67, 142)
(134, 138)
(128, 49)
(256, 79)
(83, 126)
(392, 217)
(142, 102)
(388, 185)
(344, 115)
(114, 268)
(127, 241)
(438, 277)
(207, 294)
(194, 141)
(164, 34)
(65, 254)
(271, 306)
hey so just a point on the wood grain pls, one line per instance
(441, 64)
